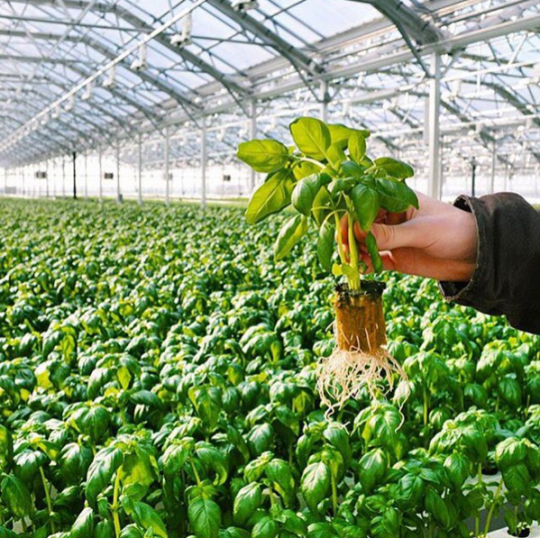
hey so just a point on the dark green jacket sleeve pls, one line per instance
(506, 280)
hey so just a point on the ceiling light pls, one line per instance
(110, 81)
(70, 103)
(183, 39)
(140, 63)
(87, 92)
(244, 5)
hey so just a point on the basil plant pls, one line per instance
(327, 174)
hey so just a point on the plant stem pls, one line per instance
(426, 407)
(47, 498)
(197, 477)
(354, 282)
(312, 161)
(334, 494)
(114, 506)
(340, 240)
(492, 508)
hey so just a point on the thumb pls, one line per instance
(390, 236)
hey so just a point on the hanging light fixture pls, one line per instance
(87, 92)
(244, 5)
(140, 63)
(110, 81)
(70, 104)
(183, 39)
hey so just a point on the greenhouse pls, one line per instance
(269, 268)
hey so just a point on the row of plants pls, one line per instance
(157, 378)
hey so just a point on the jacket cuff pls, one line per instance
(466, 292)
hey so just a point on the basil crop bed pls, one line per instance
(157, 379)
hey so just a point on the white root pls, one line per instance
(342, 375)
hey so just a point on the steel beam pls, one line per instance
(434, 184)
(100, 167)
(139, 169)
(118, 193)
(297, 58)
(167, 180)
(252, 135)
(204, 155)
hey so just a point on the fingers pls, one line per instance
(415, 262)
(407, 234)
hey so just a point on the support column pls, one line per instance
(325, 99)
(203, 164)
(252, 135)
(74, 156)
(63, 177)
(493, 167)
(100, 157)
(139, 170)
(118, 195)
(86, 176)
(25, 170)
(434, 180)
(46, 179)
(167, 179)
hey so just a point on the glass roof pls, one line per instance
(287, 56)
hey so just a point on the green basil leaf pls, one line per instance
(338, 437)
(517, 479)
(74, 462)
(271, 197)
(16, 497)
(458, 469)
(357, 146)
(104, 529)
(366, 203)
(373, 251)
(6, 447)
(205, 518)
(322, 205)
(510, 391)
(510, 452)
(305, 192)
(83, 527)
(341, 134)
(353, 169)
(311, 136)
(336, 156)
(372, 468)
(101, 471)
(147, 518)
(305, 168)
(315, 484)
(261, 438)
(265, 528)
(394, 168)
(396, 196)
(263, 155)
(290, 235)
(325, 245)
(436, 507)
(342, 185)
(248, 499)
(280, 474)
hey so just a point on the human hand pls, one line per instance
(436, 241)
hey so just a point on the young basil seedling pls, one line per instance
(327, 176)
